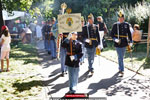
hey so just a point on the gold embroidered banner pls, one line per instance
(69, 23)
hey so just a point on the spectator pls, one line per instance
(32, 26)
(15, 29)
(102, 30)
(5, 49)
(38, 32)
(136, 36)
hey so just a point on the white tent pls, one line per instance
(13, 15)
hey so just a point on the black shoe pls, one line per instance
(92, 72)
(62, 74)
(121, 73)
(66, 72)
(49, 52)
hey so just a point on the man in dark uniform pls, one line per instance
(53, 35)
(74, 53)
(92, 40)
(120, 34)
(80, 34)
(63, 53)
(46, 30)
(81, 39)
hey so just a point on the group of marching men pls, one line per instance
(74, 44)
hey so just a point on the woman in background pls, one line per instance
(5, 48)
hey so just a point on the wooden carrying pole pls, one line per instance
(148, 38)
(63, 7)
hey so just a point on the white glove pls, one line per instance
(87, 40)
(99, 46)
(117, 40)
(69, 36)
(130, 44)
(72, 58)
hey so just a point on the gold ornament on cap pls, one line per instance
(90, 16)
(120, 14)
(69, 10)
(63, 6)
(82, 18)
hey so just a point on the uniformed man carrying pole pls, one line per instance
(120, 34)
(92, 40)
(74, 53)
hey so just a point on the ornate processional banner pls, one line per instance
(69, 23)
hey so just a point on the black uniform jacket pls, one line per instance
(91, 32)
(46, 30)
(101, 26)
(65, 35)
(81, 36)
(124, 34)
(75, 47)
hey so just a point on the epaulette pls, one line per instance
(79, 42)
(115, 23)
(126, 22)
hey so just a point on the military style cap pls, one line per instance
(74, 33)
(120, 14)
(53, 19)
(91, 16)
(82, 18)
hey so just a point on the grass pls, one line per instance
(22, 82)
(140, 62)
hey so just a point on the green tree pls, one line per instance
(105, 8)
(42, 9)
(1, 16)
(10, 5)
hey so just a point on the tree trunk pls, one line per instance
(1, 16)
(148, 38)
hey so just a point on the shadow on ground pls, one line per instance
(25, 52)
(46, 60)
(131, 87)
(104, 84)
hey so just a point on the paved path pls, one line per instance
(104, 83)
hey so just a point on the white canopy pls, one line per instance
(13, 15)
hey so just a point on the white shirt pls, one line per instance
(6, 43)
(38, 31)
(32, 27)
(131, 30)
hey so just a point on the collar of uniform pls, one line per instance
(91, 25)
(119, 22)
(74, 40)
